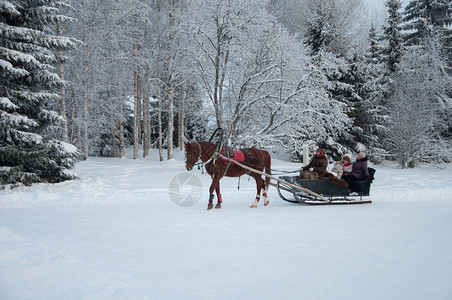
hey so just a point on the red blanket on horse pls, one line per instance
(238, 156)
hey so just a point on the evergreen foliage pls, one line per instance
(421, 16)
(365, 110)
(393, 51)
(28, 150)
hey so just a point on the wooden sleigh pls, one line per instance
(327, 192)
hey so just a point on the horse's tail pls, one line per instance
(267, 166)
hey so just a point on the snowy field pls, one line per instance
(116, 234)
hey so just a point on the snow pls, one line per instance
(6, 103)
(17, 119)
(116, 234)
(69, 148)
(7, 66)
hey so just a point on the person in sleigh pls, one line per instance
(359, 169)
(319, 164)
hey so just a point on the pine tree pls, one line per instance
(322, 35)
(340, 95)
(364, 108)
(320, 32)
(419, 15)
(424, 18)
(374, 50)
(28, 57)
(392, 35)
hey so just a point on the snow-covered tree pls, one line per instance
(102, 78)
(261, 85)
(373, 104)
(420, 107)
(374, 47)
(29, 152)
(424, 18)
(419, 15)
(363, 108)
(335, 26)
(392, 35)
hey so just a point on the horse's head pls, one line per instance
(192, 154)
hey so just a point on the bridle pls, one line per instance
(197, 157)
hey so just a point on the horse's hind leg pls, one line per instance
(265, 198)
(259, 185)
(264, 190)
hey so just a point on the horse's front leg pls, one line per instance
(210, 205)
(219, 200)
(217, 190)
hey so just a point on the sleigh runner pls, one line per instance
(333, 193)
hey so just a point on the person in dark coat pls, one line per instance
(318, 163)
(359, 169)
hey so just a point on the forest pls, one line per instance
(90, 78)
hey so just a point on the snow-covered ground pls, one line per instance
(116, 234)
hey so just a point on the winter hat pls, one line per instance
(321, 151)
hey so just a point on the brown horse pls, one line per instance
(217, 167)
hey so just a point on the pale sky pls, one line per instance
(379, 4)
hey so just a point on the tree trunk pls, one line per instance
(63, 91)
(170, 129)
(122, 150)
(84, 138)
(146, 114)
(136, 115)
(71, 138)
(181, 115)
(159, 75)
(136, 129)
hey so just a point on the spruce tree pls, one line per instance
(373, 93)
(419, 15)
(29, 152)
(365, 110)
(426, 18)
(393, 36)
